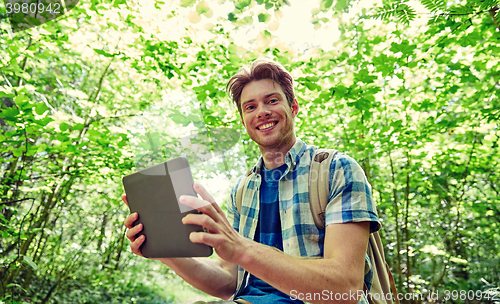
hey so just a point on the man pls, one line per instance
(274, 238)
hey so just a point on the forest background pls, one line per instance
(410, 89)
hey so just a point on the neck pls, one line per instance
(275, 157)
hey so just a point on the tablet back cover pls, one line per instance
(154, 193)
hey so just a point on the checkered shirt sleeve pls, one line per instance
(350, 194)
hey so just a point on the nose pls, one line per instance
(263, 110)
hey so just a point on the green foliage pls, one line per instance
(435, 6)
(401, 11)
(415, 102)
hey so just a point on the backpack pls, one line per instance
(319, 191)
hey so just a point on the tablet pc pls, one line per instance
(154, 194)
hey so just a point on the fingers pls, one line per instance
(135, 246)
(201, 220)
(124, 199)
(132, 232)
(203, 193)
(200, 205)
(204, 238)
(129, 221)
(207, 196)
(206, 205)
(195, 203)
(213, 218)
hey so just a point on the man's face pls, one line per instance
(266, 115)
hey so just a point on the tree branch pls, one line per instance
(493, 11)
(20, 200)
(25, 60)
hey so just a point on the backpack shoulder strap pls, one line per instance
(319, 190)
(319, 177)
(241, 187)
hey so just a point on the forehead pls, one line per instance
(259, 89)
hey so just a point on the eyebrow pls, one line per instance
(265, 97)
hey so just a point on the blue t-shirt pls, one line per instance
(268, 233)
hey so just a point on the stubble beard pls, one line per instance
(276, 142)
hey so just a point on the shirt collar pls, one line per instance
(291, 158)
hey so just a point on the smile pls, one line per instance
(267, 126)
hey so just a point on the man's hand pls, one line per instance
(221, 235)
(213, 276)
(132, 231)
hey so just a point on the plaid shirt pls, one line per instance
(350, 201)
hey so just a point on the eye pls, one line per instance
(248, 108)
(274, 100)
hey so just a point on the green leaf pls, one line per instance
(14, 285)
(462, 10)
(70, 149)
(380, 60)
(78, 126)
(21, 100)
(405, 14)
(94, 133)
(5, 94)
(202, 7)
(488, 5)
(10, 114)
(312, 86)
(45, 121)
(41, 108)
(186, 3)
(361, 104)
(263, 17)
(28, 260)
(241, 4)
(63, 127)
(397, 124)
(402, 11)
(325, 4)
(384, 64)
(459, 261)
(403, 47)
(41, 148)
(364, 76)
(471, 39)
(434, 5)
(342, 5)
(106, 54)
(157, 4)
(180, 119)
(231, 17)
(340, 91)
(246, 20)
(425, 105)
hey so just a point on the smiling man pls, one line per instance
(268, 118)
(271, 251)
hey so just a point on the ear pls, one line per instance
(242, 121)
(295, 107)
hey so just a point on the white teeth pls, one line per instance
(266, 126)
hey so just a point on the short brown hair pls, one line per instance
(261, 69)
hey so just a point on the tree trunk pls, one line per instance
(120, 249)
(407, 228)
(396, 218)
